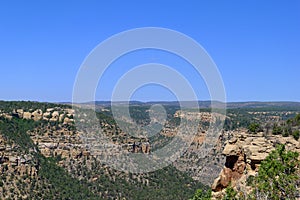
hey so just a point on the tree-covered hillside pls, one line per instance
(31, 170)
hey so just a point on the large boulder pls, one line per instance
(46, 115)
(20, 113)
(61, 117)
(231, 149)
(27, 115)
(37, 115)
(55, 116)
(223, 180)
(68, 120)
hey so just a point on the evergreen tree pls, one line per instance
(278, 176)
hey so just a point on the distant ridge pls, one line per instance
(204, 104)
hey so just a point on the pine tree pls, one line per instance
(278, 176)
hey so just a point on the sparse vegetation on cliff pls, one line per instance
(202, 195)
(278, 176)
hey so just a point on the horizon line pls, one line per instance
(167, 101)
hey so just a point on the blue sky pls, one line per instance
(255, 44)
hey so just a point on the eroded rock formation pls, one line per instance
(51, 114)
(244, 153)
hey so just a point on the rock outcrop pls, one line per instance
(244, 153)
(51, 114)
(17, 164)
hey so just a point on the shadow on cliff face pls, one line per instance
(230, 161)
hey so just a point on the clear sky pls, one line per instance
(255, 44)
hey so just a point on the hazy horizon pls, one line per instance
(154, 101)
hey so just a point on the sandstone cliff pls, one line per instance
(244, 152)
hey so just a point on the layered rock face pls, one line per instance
(56, 114)
(16, 167)
(244, 153)
(203, 160)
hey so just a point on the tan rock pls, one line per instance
(53, 119)
(86, 153)
(232, 140)
(68, 120)
(70, 111)
(145, 147)
(47, 115)
(50, 109)
(243, 158)
(7, 116)
(46, 152)
(223, 180)
(20, 112)
(27, 115)
(61, 117)
(37, 115)
(55, 114)
(2, 147)
(254, 152)
(13, 159)
(231, 149)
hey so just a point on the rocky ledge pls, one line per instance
(55, 114)
(244, 152)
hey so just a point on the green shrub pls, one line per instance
(296, 134)
(254, 128)
(202, 195)
(277, 130)
(230, 193)
(277, 176)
